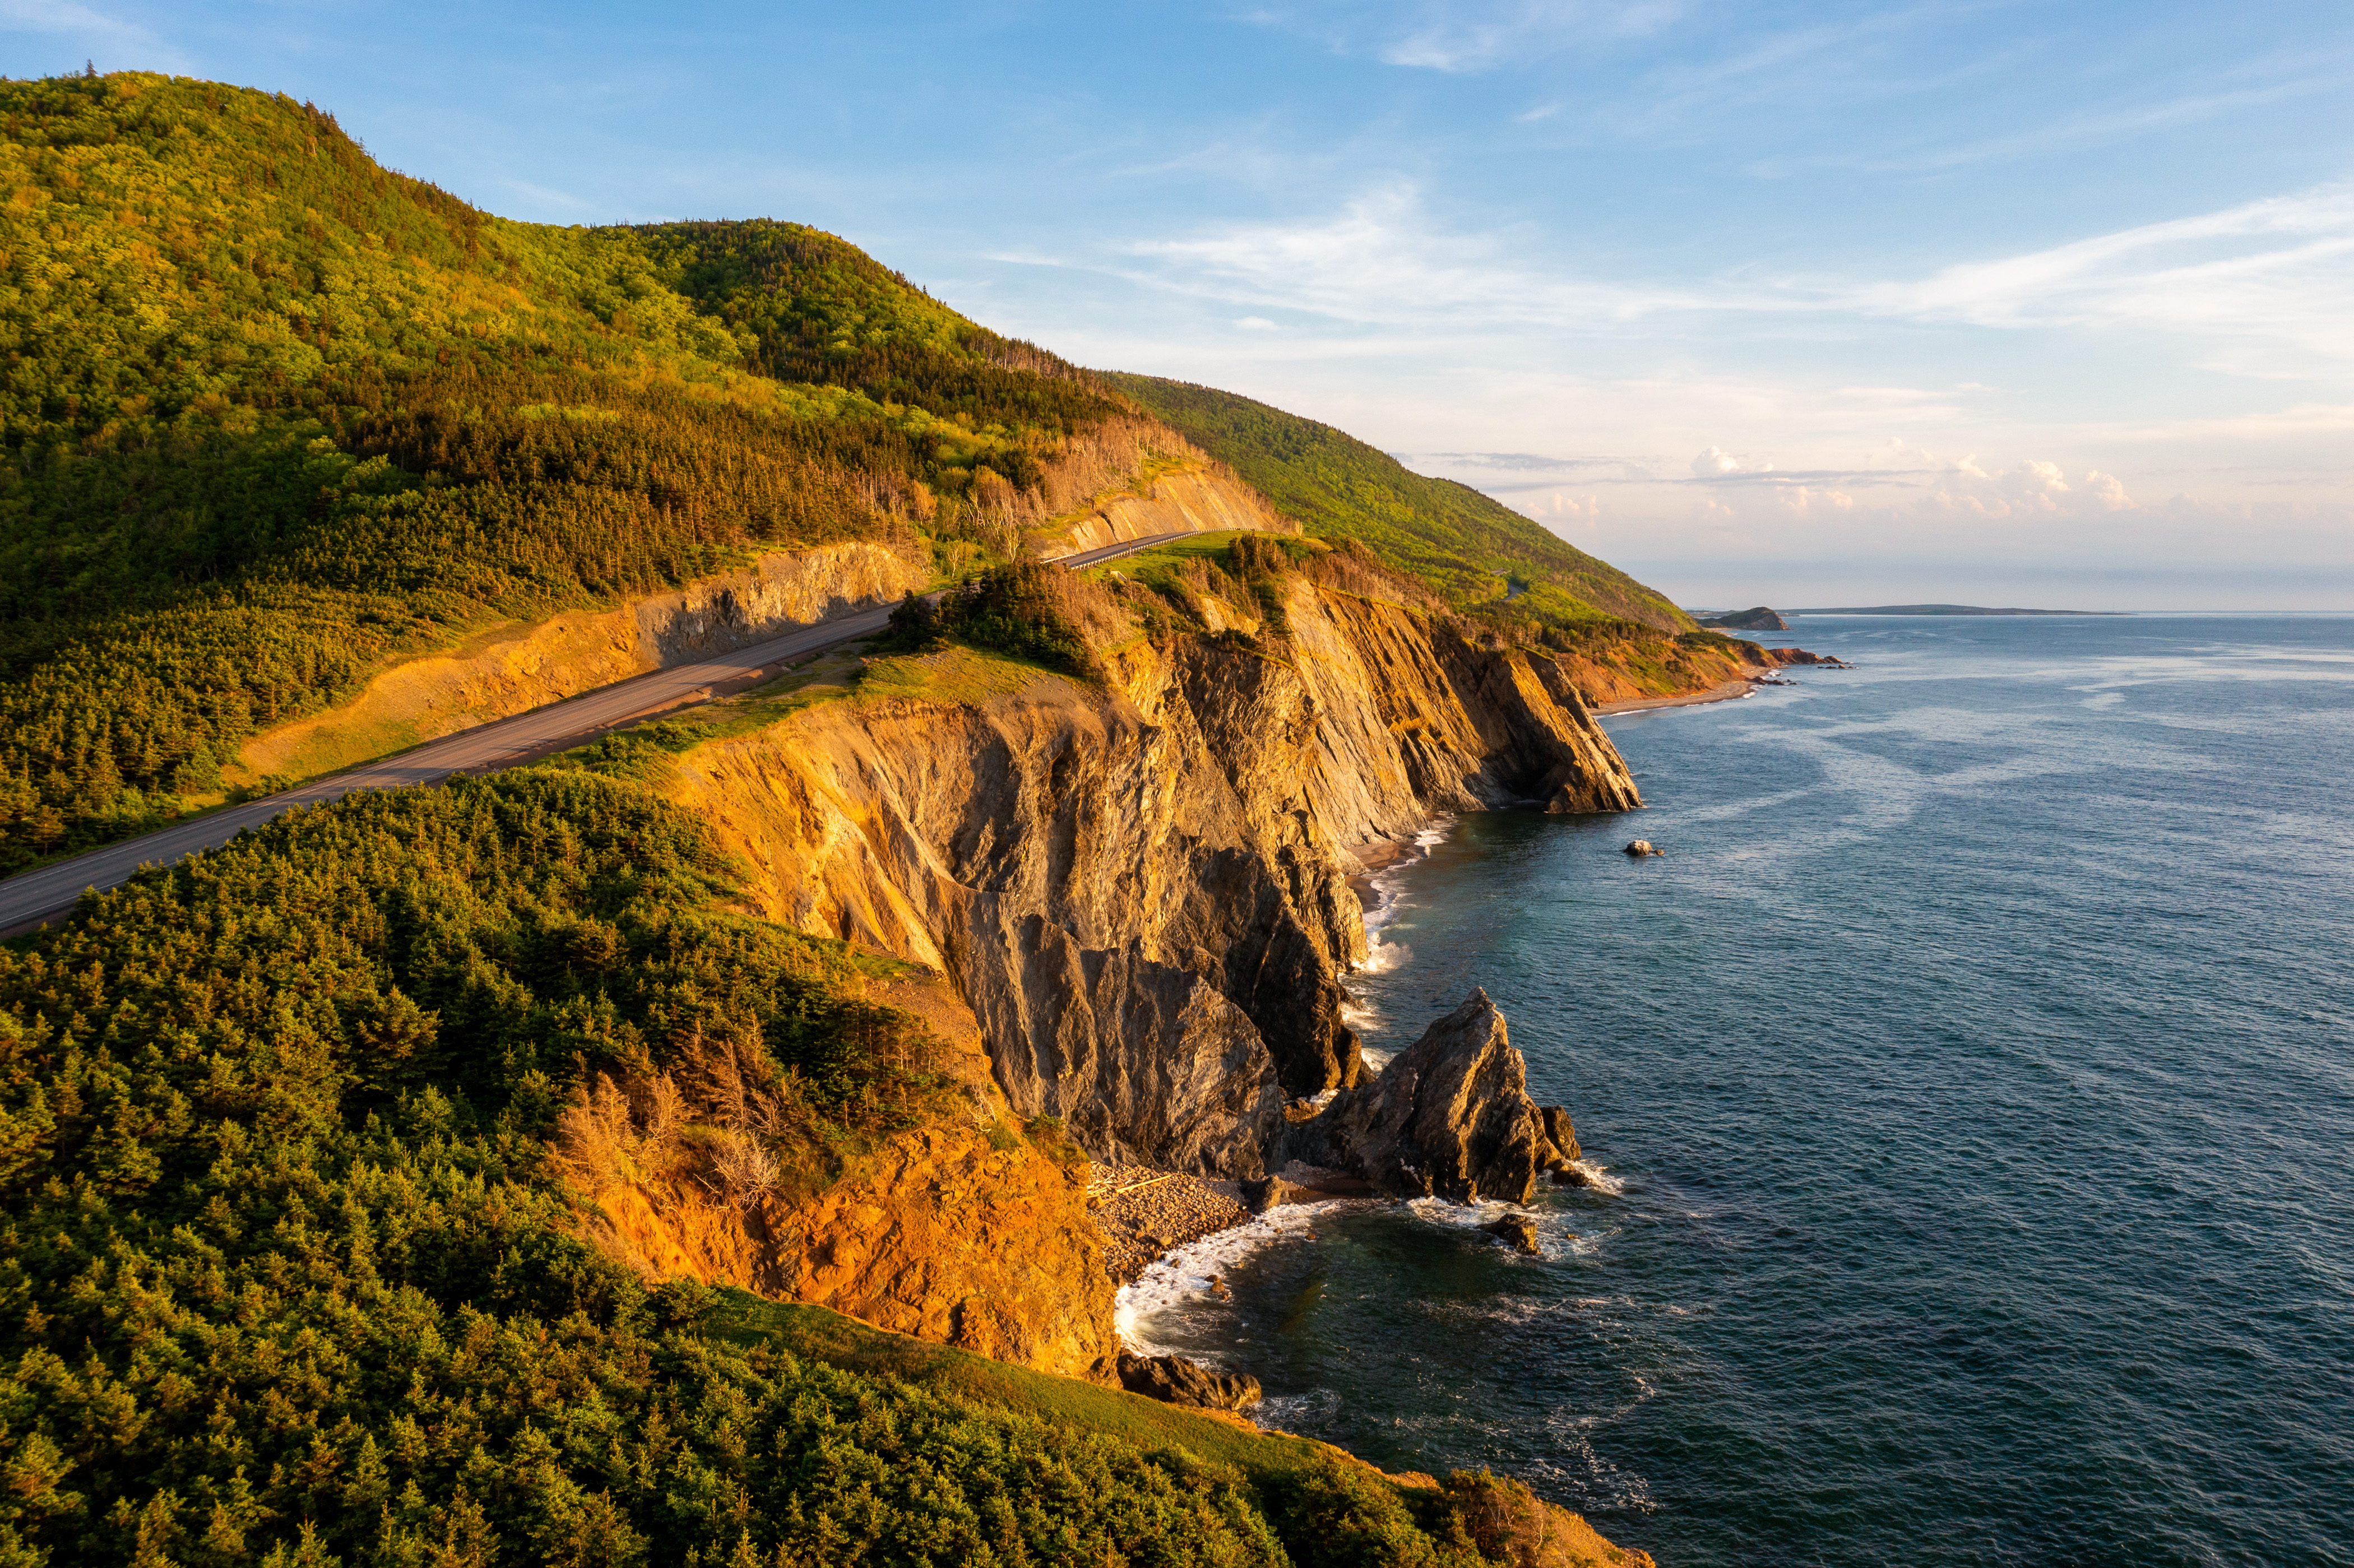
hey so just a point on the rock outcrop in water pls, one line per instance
(1451, 1117)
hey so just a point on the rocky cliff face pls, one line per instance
(777, 593)
(1194, 500)
(1143, 893)
(968, 1231)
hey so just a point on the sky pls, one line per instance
(1805, 304)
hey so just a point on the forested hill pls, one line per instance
(1478, 553)
(272, 414)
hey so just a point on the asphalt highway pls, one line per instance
(35, 897)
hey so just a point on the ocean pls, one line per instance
(1970, 1091)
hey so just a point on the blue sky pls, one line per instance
(1806, 304)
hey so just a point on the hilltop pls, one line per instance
(277, 418)
(1478, 554)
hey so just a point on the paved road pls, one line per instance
(35, 897)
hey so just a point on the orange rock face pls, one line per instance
(947, 1233)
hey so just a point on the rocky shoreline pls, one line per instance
(1145, 1214)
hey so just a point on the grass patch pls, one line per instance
(817, 1334)
(952, 676)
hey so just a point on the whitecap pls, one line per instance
(1286, 1413)
(1556, 1238)
(1181, 1278)
(1388, 883)
(1598, 1177)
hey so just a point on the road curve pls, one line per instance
(33, 898)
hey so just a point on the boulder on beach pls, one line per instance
(1173, 1380)
(1273, 1192)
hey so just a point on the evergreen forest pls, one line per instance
(273, 416)
(288, 1273)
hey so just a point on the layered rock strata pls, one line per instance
(1142, 892)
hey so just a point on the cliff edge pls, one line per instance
(1140, 885)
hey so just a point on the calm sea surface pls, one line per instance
(1976, 1073)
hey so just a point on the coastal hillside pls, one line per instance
(290, 1139)
(366, 1176)
(277, 418)
(1477, 554)
(281, 426)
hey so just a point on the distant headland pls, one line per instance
(1941, 609)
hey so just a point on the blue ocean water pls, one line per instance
(1976, 1073)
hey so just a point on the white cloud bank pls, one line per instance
(2273, 273)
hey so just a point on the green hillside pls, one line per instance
(272, 414)
(289, 1274)
(1478, 554)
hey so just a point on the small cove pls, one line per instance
(1976, 1073)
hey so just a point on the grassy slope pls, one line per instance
(1470, 550)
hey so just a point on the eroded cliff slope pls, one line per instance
(1141, 886)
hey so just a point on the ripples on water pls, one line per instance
(1978, 1069)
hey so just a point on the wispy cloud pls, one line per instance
(546, 195)
(1461, 35)
(1382, 258)
(2273, 269)
(2266, 283)
(2069, 131)
(91, 28)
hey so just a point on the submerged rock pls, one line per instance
(1519, 1230)
(1173, 1380)
(1451, 1117)
(1641, 847)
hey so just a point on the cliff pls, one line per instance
(1196, 498)
(968, 1230)
(1142, 889)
